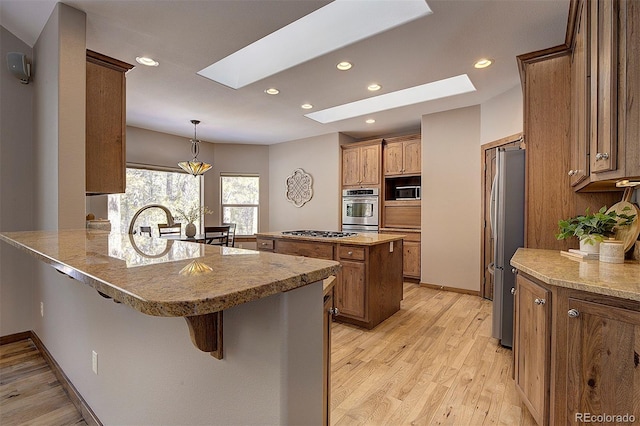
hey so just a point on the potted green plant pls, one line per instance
(593, 228)
(191, 215)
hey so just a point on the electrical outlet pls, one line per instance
(94, 362)
(42, 309)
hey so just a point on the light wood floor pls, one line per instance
(434, 362)
(30, 394)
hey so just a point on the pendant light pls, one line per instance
(195, 167)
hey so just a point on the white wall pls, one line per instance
(59, 120)
(16, 189)
(502, 115)
(451, 198)
(320, 157)
(149, 372)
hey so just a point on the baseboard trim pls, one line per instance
(76, 399)
(452, 289)
(16, 337)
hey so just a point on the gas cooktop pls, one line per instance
(320, 234)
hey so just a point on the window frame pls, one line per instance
(222, 205)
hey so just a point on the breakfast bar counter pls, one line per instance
(169, 278)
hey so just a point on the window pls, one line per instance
(240, 195)
(174, 190)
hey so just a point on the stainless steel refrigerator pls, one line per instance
(507, 227)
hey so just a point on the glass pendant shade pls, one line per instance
(195, 167)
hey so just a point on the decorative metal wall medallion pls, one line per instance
(299, 187)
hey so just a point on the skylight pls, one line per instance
(329, 28)
(413, 95)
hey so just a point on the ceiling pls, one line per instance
(186, 36)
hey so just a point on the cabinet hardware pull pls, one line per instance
(334, 311)
(350, 253)
(572, 172)
(539, 301)
(514, 270)
(573, 313)
(602, 156)
(513, 290)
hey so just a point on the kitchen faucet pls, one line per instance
(159, 206)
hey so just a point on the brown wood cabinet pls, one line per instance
(547, 134)
(580, 94)
(402, 214)
(576, 354)
(361, 164)
(532, 346)
(605, 88)
(368, 288)
(105, 124)
(602, 360)
(402, 155)
(411, 256)
(351, 291)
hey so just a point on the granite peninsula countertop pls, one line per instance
(609, 279)
(169, 278)
(361, 239)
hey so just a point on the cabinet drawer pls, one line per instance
(264, 244)
(351, 252)
(303, 248)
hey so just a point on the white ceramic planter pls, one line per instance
(589, 245)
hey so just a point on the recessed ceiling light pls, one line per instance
(306, 106)
(308, 38)
(370, 121)
(150, 62)
(374, 87)
(271, 91)
(483, 63)
(413, 95)
(343, 66)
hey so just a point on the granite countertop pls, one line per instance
(362, 239)
(550, 267)
(169, 278)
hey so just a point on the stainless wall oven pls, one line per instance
(360, 210)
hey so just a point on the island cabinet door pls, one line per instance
(351, 291)
(603, 365)
(532, 346)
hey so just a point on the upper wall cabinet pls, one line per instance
(361, 164)
(605, 94)
(105, 124)
(402, 155)
(580, 90)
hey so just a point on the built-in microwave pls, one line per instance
(408, 193)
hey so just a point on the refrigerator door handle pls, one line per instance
(491, 268)
(493, 209)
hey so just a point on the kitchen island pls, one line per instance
(577, 338)
(368, 287)
(273, 304)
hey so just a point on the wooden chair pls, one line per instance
(232, 233)
(145, 230)
(165, 229)
(217, 235)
